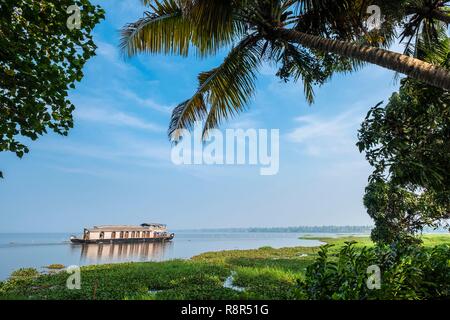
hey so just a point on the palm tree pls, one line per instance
(424, 18)
(417, 9)
(260, 29)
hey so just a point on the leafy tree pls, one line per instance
(41, 58)
(401, 212)
(302, 34)
(408, 144)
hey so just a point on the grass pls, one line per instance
(265, 273)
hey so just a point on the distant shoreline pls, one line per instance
(293, 229)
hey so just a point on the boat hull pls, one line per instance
(122, 240)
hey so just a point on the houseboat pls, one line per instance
(146, 232)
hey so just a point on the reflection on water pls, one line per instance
(122, 252)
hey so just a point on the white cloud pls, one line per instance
(122, 149)
(125, 70)
(116, 118)
(84, 171)
(111, 54)
(318, 135)
(107, 50)
(146, 102)
(244, 121)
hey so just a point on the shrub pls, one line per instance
(20, 278)
(24, 273)
(406, 273)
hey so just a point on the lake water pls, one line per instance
(41, 249)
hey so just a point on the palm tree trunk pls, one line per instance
(412, 67)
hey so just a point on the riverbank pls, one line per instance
(264, 273)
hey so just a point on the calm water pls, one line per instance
(41, 249)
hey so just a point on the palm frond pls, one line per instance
(439, 52)
(177, 26)
(214, 23)
(312, 68)
(165, 30)
(225, 89)
(186, 114)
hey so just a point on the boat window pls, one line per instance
(102, 235)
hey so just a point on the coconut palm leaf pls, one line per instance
(213, 19)
(173, 27)
(301, 65)
(439, 52)
(166, 30)
(186, 114)
(225, 89)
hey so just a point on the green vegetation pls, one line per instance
(407, 142)
(413, 272)
(41, 59)
(25, 273)
(264, 273)
(55, 266)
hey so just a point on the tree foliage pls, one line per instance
(401, 212)
(41, 59)
(408, 144)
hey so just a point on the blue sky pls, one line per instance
(115, 165)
